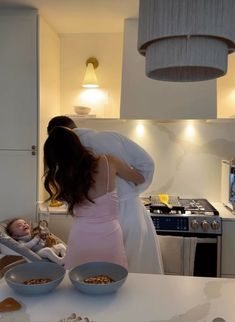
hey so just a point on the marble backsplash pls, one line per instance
(187, 154)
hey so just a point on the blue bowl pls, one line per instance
(16, 276)
(116, 272)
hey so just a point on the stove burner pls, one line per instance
(183, 206)
(198, 207)
(160, 208)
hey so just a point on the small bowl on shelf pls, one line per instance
(87, 278)
(82, 110)
(35, 278)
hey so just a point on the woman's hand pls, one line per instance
(125, 171)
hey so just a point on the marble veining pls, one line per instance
(197, 313)
(213, 290)
(187, 154)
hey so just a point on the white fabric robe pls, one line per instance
(140, 239)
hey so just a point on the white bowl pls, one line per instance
(82, 110)
(116, 272)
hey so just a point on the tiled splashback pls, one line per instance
(187, 154)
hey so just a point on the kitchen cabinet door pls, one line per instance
(18, 79)
(60, 225)
(228, 249)
(18, 189)
(60, 222)
(18, 113)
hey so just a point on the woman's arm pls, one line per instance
(125, 171)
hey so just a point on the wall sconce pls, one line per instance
(91, 95)
(90, 78)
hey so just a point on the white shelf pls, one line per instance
(89, 116)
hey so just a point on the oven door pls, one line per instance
(192, 255)
(208, 257)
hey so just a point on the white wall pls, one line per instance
(187, 154)
(142, 97)
(226, 91)
(49, 71)
(75, 50)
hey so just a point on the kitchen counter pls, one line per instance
(60, 222)
(143, 298)
(224, 212)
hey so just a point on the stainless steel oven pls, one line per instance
(192, 220)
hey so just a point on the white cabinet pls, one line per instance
(144, 98)
(228, 249)
(60, 225)
(60, 222)
(18, 112)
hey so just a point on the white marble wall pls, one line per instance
(187, 154)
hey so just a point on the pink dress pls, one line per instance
(96, 234)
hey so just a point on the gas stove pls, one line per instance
(189, 216)
(200, 207)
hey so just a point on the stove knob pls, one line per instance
(215, 225)
(194, 224)
(205, 225)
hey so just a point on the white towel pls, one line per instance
(178, 254)
(190, 244)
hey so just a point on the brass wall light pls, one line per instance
(90, 78)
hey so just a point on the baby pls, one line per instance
(21, 231)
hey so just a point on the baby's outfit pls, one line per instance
(55, 253)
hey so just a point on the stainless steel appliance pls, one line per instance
(191, 218)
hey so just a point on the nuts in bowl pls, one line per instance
(98, 277)
(35, 278)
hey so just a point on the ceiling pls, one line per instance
(81, 16)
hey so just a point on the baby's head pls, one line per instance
(18, 227)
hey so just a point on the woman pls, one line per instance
(140, 239)
(87, 183)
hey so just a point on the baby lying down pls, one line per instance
(22, 231)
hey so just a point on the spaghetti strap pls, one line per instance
(106, 159)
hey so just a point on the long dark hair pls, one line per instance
(69, 167)
(60, 120)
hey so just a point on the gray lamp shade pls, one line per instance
(186, 40)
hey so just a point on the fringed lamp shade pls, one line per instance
(186, 40)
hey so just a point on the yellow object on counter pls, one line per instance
(55, 203)
(164, 198)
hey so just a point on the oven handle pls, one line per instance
(206, 240)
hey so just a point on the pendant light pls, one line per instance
(186, 40)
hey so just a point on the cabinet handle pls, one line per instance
(33, 150)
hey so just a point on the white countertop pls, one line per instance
(225, 213)
(143, 298)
